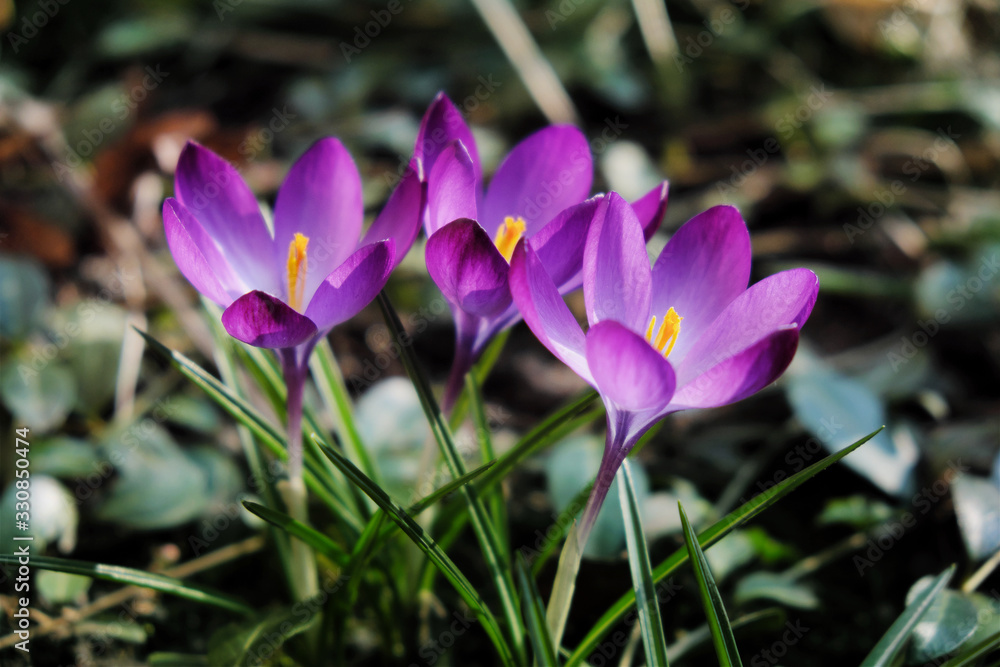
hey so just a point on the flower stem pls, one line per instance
(293, 491)
(465, 357)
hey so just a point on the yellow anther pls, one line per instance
(667, 334)
(509, 233)
(298, 265)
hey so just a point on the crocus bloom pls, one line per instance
(286, 289)
(538, 192)
(686, 333)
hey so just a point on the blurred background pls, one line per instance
(859, 138)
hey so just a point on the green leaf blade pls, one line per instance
(894, 639)
(716, 532)
(711, 599)
(132, 577)
(534, 614)
(650, 620)
(426, 544)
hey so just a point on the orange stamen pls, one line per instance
(297, 268)
(666, 335)
(509, 233)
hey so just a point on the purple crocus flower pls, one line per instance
(686, 333)
(286, 287)
(538, 192)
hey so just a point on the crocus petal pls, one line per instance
(400, 218)
(627, 369)
(352, 285)
(616, 272)
(702, 269)
(443, 123)
(215, 194)
(560, 243)
(650, 209)
(468, 268)
(777, 301)
(262, 320)
(451, 188)
(547, 172)
(320, 198)
(544, 310)
(741, 375)
(197, 256)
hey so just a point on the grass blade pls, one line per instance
(337, 399)
(650, 621)
(489, 542)
(317, 540)
(480, 371)
(262, 429)
(449, 488)
(716, 532)
(498, 508)
(895, 637)
(129, 576)
(534, 616)
(974, 652)
(718, 620)
(564, 586)
(440, 559)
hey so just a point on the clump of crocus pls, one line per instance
(686, 333)
(537, 192)
(285, 290)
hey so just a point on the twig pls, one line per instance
(521, 49)
(74, 616)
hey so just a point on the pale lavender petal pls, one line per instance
(443, 123)
(627, 369)
(197, 256)
(701, 270)
(451, 189)
(774, 303)
(352, 285)
(650, 209)
(468, 268)
(215, 194)
(400, 217)
(262, 320)
(741, 375)
(321, 199)
(547, 172)
(545, 312)
(616, 272)
(560, 243)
